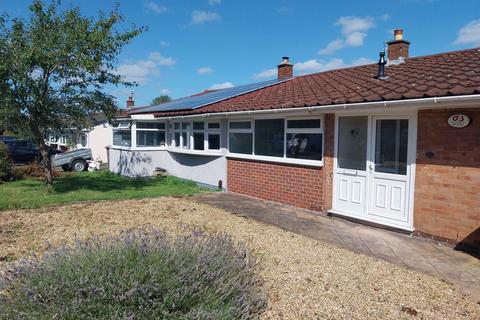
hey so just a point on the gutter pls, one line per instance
(418, 103)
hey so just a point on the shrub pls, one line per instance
(138, 275)
(6, 165)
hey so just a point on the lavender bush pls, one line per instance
(141, 274)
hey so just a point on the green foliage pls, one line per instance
(6, 165)
(56, 65)
(141, 274)
(88, 186)
(161, 99)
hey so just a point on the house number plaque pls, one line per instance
(458, 120)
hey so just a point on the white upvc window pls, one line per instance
(296, 140)
(150, 134)
(197, 135)
(304, 139)
(176, 134)
(122, 133)
(240, 137)
(181, 134)
(213, 136)
(185, 134)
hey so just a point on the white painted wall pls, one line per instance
(206, 169)
(99, 137)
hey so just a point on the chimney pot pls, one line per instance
(130, 101)
(285, 69)
(398, 47)
(398, 34)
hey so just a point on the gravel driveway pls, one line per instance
(304, 278)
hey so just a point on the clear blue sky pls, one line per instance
(195, 45)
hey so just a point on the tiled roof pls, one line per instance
(446, 74)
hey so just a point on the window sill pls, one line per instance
(138, 148)
(149, 148)
(120, 148)
(303, 162)
(197, 152)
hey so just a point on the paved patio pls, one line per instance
(423, 255)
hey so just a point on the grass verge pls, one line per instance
(89, 186)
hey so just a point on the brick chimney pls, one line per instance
(398, 47)
(130, 101)
(285, 69)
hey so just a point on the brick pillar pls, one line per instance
(328, 154)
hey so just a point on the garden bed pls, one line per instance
(303, 278)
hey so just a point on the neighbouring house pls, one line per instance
(395, 143)
(98, 137)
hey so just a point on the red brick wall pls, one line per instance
(300, 186)
(447, 188)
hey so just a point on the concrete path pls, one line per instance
(419, 254)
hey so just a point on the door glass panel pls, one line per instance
(352, 143)
(391, 143)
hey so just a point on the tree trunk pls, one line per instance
(42, 147)
(47, 163)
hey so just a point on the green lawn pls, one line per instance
(87, 186)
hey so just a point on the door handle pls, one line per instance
(370, 166)
(350, 172)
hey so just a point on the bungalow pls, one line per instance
(96, 137)
(395, 143)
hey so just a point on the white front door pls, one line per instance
(351, 169)
(372, 172)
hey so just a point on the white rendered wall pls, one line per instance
(204, 169)
(98, 138)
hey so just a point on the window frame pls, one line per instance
(284, 158)
(174, 131)
(212, 131)
(202, 131)
(236, 130)
(188, 132)
(191, 131)
(164, 130)
(122, 128)
(319, 130)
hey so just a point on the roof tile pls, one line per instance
(450, 73)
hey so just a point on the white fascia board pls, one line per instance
(142, 116)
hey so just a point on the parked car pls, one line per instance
(76, 160)
(25, 151)
(6, 138)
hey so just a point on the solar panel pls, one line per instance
(194, 102)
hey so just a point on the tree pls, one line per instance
(55, 67)
(161, 99)
(6, 166)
